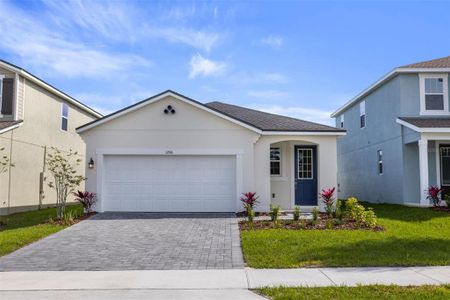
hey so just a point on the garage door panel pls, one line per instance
(169, 183)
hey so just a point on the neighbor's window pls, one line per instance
(434, 94)
(275, 161)
(362, 114)
(342, 121)
(64, 116)
(6, 95)
(380, 162)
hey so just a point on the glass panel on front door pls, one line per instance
(305, 164)
(445, 165)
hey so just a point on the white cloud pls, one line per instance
(205, 67)
(118, 21)
(272, 41)
(308, 114)
(197, 39)
(268, 94)
(47, 49)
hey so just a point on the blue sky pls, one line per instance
(297, 58)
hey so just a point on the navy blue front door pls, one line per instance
(306, 175)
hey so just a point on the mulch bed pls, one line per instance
(321, 224)
(75, 221)
(441, 208)
(243, 214)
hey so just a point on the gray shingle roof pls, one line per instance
(268, 122)
(6, 124)
(428, 122)
(443, 62)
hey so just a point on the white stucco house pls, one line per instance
(170, 153)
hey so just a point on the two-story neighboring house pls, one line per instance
(34, 117)
(398, 136)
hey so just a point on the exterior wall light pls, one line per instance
(91, 163)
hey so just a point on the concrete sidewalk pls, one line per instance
(201, 284)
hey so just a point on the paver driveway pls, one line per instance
(135, 241)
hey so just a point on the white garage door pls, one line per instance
(169, 183)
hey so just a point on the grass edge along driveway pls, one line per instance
(412, 237)
(27, 227)
(360, 292)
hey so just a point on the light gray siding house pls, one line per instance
(398, 136)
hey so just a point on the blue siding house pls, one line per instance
(398, 136)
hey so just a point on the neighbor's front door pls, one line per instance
(444, 155)
(306, 175)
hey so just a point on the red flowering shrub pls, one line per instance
(249, 200)
(434, 194)
(327, 196)
(87, 199)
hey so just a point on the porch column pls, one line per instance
(423, 169)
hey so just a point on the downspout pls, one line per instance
(9, 170)
(41, 179)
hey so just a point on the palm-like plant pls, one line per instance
(87, 199)
(434, 194)
(249, 200)
(327, 196)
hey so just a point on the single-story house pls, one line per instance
(170, 153)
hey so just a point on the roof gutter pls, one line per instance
(385, 78)
(330, 133)
(48, 87)
(11, 127)
(423, 129)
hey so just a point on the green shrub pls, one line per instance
(447, 199)
(337, 222)
(360, 215)
(370, 218)
(296, 213)
(329, 224)
(303, 223)
(250, 215)
(339, 212)
(315, 213)
(274, 212)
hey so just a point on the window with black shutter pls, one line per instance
(7, 92)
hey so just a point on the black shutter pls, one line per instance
(7, 96)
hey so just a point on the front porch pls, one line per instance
(426, 157)
(298, 168)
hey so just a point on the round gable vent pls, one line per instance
(169, 110)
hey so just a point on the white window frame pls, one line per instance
(276, 160)
(310, 150)
(1, 93)
(362, 112)
(64, 117)
(341, 123)
(423, 110)
(380, 162)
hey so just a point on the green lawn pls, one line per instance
(412, 237)
(361, 292)
(24, 228)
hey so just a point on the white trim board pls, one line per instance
(158, 98)
(204, 108)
